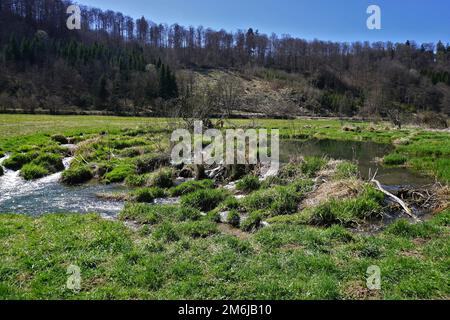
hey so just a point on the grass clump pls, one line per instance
(33, 171)
(136, 180)
(147, 194)
(77, 174)
(204, 200)
(312, 165)
(368, 205)
(248, 183)
(191, 186)
(119, 173)
(198, 229)
(395, 159)
(233, 218)
(150, 162)
(161, 178)
(144, 214)
(252, 222)
(18, 160)
(405, 229)
(275, 201)
(59, 138)
(346, 170)
(1, 171)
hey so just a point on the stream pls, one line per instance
(48, 195)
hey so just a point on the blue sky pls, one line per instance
(335, 20)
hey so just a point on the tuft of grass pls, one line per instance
(233, 218)
(76, 175)
(33, 171)
(405, 229)
(17, 160)
(119, 173)
(60, 139)
(136, 180)
(191, 186)
(312, 165)
(346, 170)
(275, 201)
(204, 200)
(147, 194)
(143, 213)
(248, 183)
(252, 222)
(161, 178)
(395, 159)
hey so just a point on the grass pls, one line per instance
(248, 184)
(77, 175)
(191, 260)
(191, 186)
(204, 200)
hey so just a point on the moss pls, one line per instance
(147, 194)
(191, 186)
(32, 171)
(76, 175)
(204, 200)
(248, 183)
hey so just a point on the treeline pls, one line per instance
(117, 63)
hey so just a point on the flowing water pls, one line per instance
(48, 195)
(363, 153)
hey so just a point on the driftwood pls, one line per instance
(395, 198)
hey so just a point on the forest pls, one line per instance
(119, 65)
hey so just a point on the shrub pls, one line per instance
(252, 222)
(191, 186)
(60, 138)
(204, 200)
(18, 160)
(32, 171)
(77, 175)
(162, 178)
(233, 218)
(394, 159)
(249, 183)
(119, 173)
(147, 194)
(346, 170)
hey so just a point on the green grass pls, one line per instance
(204, 200)
(77, 174)
(191, 186)
(248, 184)
(192, 260)
(32, 171)
(147, 194)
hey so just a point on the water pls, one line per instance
(364, 153)
(48, 195)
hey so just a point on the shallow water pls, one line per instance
(48, 195)
(364, 153)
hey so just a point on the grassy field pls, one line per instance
(175, 252)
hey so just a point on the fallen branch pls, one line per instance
(395, 198)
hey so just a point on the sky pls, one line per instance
(334, 20)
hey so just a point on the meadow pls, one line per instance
(265, 247)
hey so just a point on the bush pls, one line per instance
(147, 194)
(233, 218)
(249, 183)
(119, 173)
(162, 178)
(18, 160)
(191, 186)
(252, 222)
(77, 175)
(60, 138)
(204, 200)
(394, 159)
(32, 171)
(346, 170)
